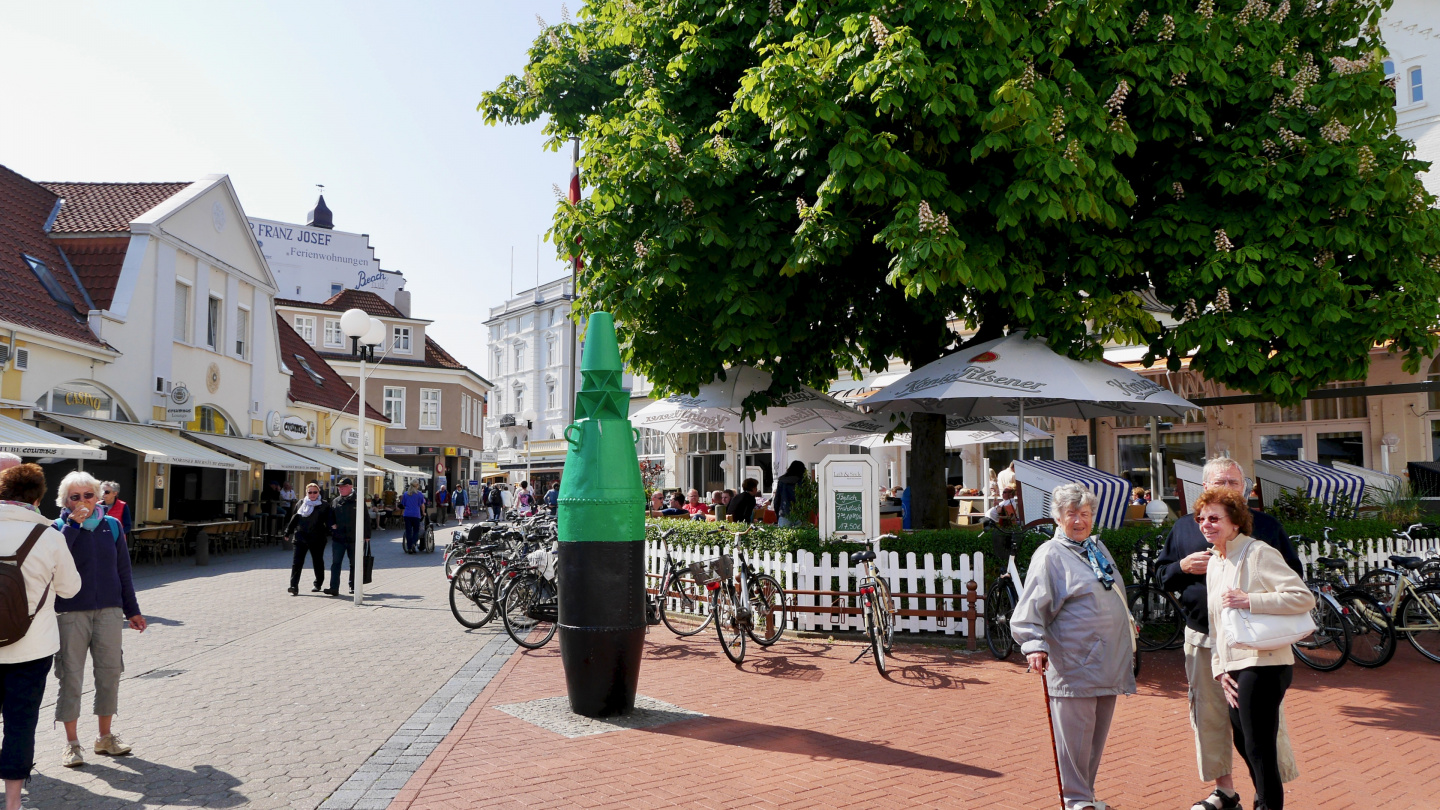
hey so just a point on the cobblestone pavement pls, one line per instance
(239, 694)
(799, 726)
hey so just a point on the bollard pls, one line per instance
(602, 537)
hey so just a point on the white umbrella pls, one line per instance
(959, 431)
(719, 404)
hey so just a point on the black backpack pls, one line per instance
(496, 499)
(15, 615)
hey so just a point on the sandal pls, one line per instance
(1217, 800)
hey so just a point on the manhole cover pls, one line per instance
(161, 673)
(553, 714)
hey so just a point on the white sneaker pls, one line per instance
(111, 744)
(72, 756)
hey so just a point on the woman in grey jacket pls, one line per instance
(1074, 626)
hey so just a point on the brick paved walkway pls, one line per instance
(242, 695)
(799, 726)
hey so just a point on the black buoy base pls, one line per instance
(602, 669)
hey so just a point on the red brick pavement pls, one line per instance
(799, 726)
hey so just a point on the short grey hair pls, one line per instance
(74, 479)
(1218, 465)
(1071, 496)
(110, 486)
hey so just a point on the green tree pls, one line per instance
(813, 186)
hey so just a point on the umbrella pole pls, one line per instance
(1019, 490)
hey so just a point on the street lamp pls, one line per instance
(529, 416)
(365, 334)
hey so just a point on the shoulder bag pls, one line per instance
(1263, 631)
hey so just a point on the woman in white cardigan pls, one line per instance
(49, 571)
(1251, 576)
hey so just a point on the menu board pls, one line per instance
(849, 512)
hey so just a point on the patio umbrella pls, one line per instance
(959, 431)
(719, 404)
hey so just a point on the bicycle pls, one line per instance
(679, 596)
(529, 605)
(1412, 602)
(1372, 633)
(1331, 629)
(736, 617)
(1002, 595)
(877, 607)
(1159, 620)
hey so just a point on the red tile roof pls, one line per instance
(107, 207)
(331, 391)
(25, 207)
(97, 261)
(348, 299)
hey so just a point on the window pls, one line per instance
(429, 408)
(497, 362)
(1417, 88)
(705, 442)
(242, 333)
(401, 339)
(519, 356)
(478, 418)
(519, 400)
(394, 405)
(551, 356)
(651, 443)
(1317, 409)
(552, 402)
(1134, 455)
(232, 486)
(49, 282)
(182, 312)
(1269, 412)
(305, 367)
(1434, 376)
(333, 335)
(212, 324)
(336, 288)
(549, 317)
(464, 413)
(305, 325)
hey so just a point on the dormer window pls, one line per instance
(49, 282)
(400, 339)
(316, 378)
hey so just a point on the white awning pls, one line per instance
(395, 468)
(266, 455)
(27, 441)
(327, 459)
(151, 443)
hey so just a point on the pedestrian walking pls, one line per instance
(1247, 575)
(43, 571)
(342, 543)
(785, 487)
(91, 622)
(525, 500)
(442, 505)
(458, 501)
(1183, 564)
(413, 504)
(496, 501)
(552, 498)
(116, 508)
(310, 528)
(1074, 627)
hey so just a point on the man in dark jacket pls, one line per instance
(342, 543)
(1182, 570)
(742, 506)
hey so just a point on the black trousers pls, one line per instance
(317, 556)
(1255, 725)
(22, 687)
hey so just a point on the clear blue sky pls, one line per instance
(375, 100)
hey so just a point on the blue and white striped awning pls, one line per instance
(1038, 479)
(1318, 481)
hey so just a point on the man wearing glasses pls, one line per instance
(1182, 570)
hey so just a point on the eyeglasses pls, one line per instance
(1212, 519)
(1225, 482)
(75, 497)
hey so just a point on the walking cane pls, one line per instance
(1054, 751)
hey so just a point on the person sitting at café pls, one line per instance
(694, 507)
(742, 507)
(1004, 512)
(676, 507)
(1137, 497)
(657, 503)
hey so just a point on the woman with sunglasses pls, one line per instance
(91, 621)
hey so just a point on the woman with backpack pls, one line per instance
(91, 621)
(43, 571)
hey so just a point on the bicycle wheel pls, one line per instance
(1419, 620)
(1380, 583)
(767, 609)
(472, 595)
(681, 596)
(875, 628)
(1135, 665)
(887, 606)
(999, 604)
(732, 637)
(528, 619)
(1372, 634)
(1327, 648)
(1158, 620)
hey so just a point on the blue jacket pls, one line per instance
(103, 560)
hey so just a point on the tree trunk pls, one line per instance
(929, 507)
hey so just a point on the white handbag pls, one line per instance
(1263, 631)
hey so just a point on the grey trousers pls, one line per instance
(95, 633)
(1081, 727)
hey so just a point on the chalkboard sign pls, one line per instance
(1077, 449)
(849, 512)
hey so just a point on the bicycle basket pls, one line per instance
(544, 562)
(722, 567)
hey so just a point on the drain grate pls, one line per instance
(162, 673)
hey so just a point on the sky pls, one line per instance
(374, 100)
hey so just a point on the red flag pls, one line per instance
(575, 195)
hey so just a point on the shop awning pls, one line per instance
(395, 469)
(268, 456)
(27, 441)
(151, 443)
(328, 460)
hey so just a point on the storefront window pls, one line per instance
(1002, 453)
(651, 443)
(1133, 453)
(82, 399)
(210, 420)
(1318, 409)
(1281, 446)
(1348, 447)
(706, 442)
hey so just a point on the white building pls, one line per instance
(1411, 30)
(314, 262)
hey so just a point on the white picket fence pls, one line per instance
(804, 571)
(1373, 553)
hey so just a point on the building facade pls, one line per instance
(314, 262)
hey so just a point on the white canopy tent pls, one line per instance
(151, 443)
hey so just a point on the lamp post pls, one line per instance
(365, 334)
(529, 416)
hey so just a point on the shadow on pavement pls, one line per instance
(817, 745)
(677, 651)
(779, 666)
(157, 785)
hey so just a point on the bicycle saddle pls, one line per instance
(862, 556)
(1330, 562)
(1407, 562)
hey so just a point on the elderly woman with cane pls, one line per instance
(1073, 624)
